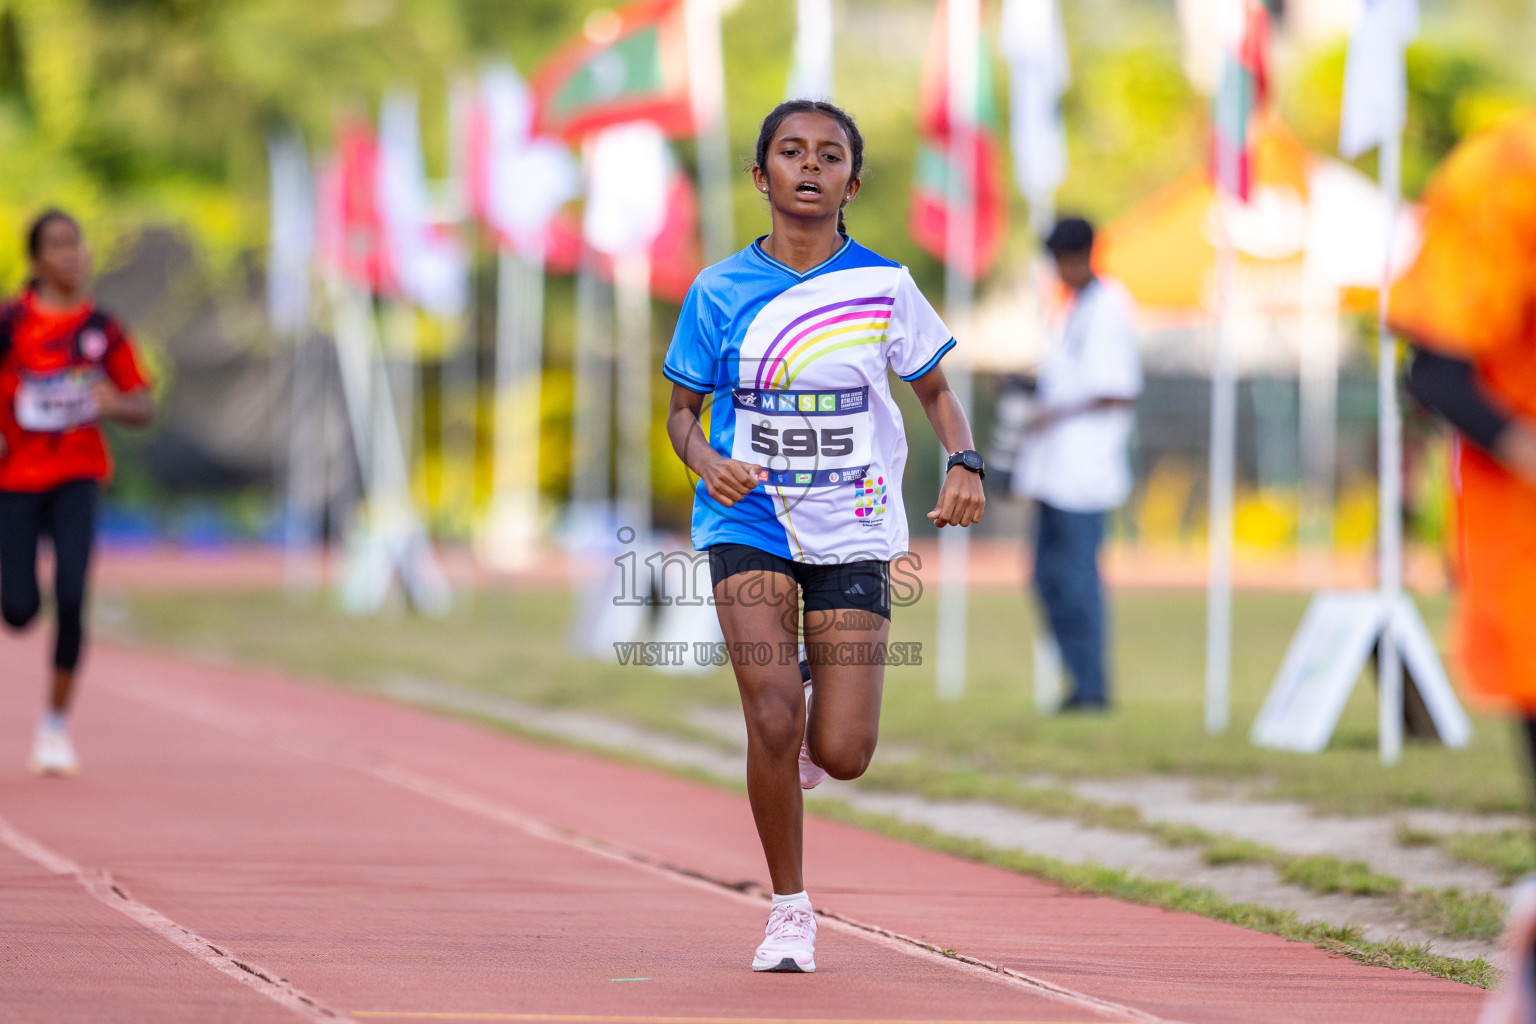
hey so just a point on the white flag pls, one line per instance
(429, 265)
(526, 179)
(628, 173)
(1035, 48)
(1201, 25)
(810, 76)
(1375, 78)
(292, 243)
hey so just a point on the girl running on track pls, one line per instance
(64, 366)
(781, 405)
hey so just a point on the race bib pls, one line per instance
(803, 438)
(57, 402)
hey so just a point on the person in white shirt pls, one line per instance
(1073, 461)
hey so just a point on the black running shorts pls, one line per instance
(865, 585)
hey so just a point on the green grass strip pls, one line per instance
(1509, 851)
(1449, 913)
(1093, 879)
(1476, 915)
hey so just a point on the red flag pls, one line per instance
(351, 230)
(630, 65)
(939, 141)
(676, 254)
(1241, 93)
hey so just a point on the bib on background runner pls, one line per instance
(56, 402)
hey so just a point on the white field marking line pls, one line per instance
(608, 1018)
(99, 884)
(376, 765)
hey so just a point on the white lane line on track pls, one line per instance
(379, 767)
(100, 885)
(610, 1018)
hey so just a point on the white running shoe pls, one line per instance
(811, 773)
(790, 945)
(53, 753)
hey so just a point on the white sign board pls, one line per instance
(1421, 662)
(1331, 647)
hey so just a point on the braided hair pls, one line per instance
(780, 113)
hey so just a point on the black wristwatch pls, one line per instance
(971, 460)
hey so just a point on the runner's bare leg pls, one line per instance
(63, 687)
(760, 610)
(847, 683)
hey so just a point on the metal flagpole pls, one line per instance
(1390, 703)
(593, 396)
(458, 393)
(458, 399)
(297, 454)
(305, 498)
(810, 73)
(1046, 674)
(632, 282)
(1218, 612)
(354, 358)
(1231, 112)
(516, 423)
(401, 352)
(1318, 434)
(964, 32)
(706, 88)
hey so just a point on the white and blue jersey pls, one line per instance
(796, 369)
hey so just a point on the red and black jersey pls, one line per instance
(51, 362)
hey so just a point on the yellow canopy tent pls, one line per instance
(1310, 216)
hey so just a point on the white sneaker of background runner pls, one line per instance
(811, 773)
(52, 752)
(790, 944)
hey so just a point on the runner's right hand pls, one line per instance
(727, 480)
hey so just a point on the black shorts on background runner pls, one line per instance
(865, 584)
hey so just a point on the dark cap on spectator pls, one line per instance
(1070, 235)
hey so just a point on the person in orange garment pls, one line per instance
(1468, 308)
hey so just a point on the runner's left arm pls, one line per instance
(125, 395)
(134, 408)
(961, 499)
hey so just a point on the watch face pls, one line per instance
(971, 460)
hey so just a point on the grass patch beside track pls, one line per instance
(1509, 851)
(1453, 912)
(1448, 912)
(1095, 880)
(515, 644)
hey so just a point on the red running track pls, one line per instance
(241, 847)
